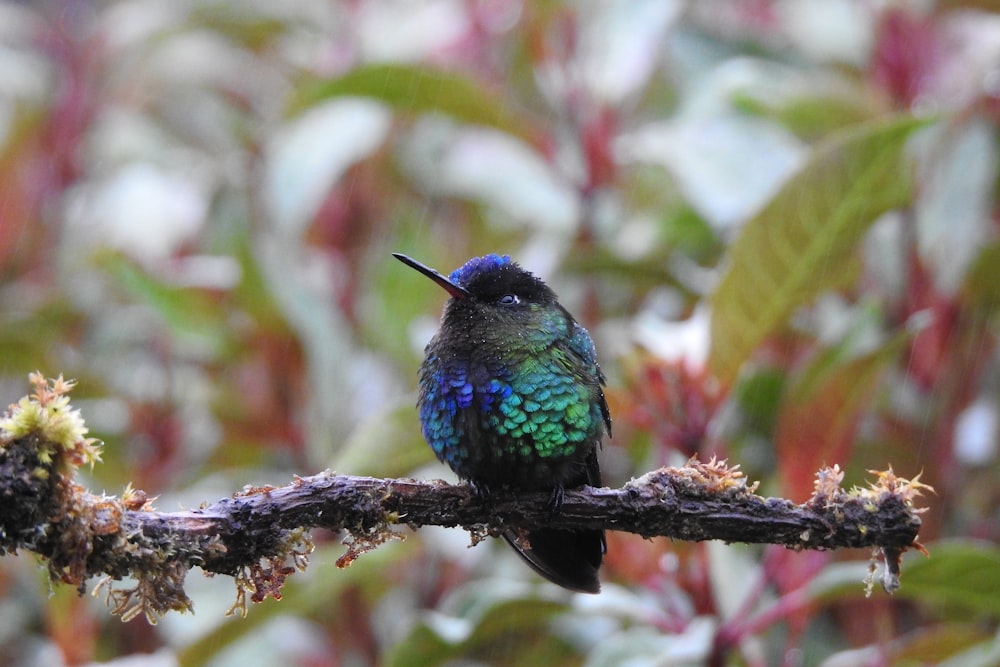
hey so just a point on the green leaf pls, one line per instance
(519, 632)
(801, 242)
(982, 654)
(422, 648)
(958, 580)
(955, 645)
(252, 29)
(839, 581)
(982, 282)
(691, 234)
(809, 116)
(192, 315)
(414, 89)
(819, 415)
(318, 593)
(935, 644)
(387, 444)
(27, 333)
(512, 632)
(759, 397)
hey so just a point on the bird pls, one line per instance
(511, 397)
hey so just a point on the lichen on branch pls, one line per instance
(259, 536)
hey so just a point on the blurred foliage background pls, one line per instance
(778, 219)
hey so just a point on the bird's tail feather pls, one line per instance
(570, 559)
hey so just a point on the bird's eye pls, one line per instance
(509, 300)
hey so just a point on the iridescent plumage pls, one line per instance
(510, 396)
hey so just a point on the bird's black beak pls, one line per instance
(451, 288)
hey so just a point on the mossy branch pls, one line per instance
(259, 535)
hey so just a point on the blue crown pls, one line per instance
(478, 265)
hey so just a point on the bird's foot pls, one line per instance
(483, 494)
(555, 502)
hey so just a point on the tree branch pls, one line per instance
(253, 535)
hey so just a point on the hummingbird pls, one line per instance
(511, 397)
